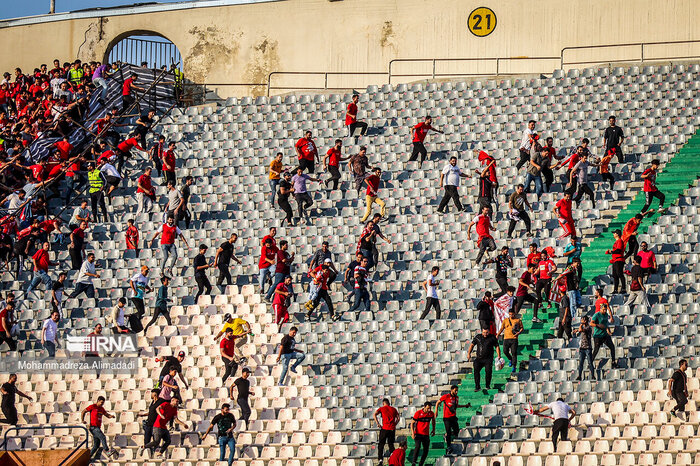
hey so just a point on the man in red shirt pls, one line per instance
(306, 152)
(268, 255)
(600, 299)
(168, 233)
(563, 210)
(483, 229)
(545, 271)
(372, 182)
(132, 237)
(450, 403)
(534, 256)
(279, 303)
(157, 151)
(618, 263)
(227, 348)
(144, 192)
(6, 323)
(650, 189)
(127, 99)
(41, 268)
(398, 457)
(648, 262)
(99, 441)
(64, 148)
(420, 131)
(123, 151)
(526, 282)
(166, 413)
(421, 432)
(331, 162)
(169, 163)
(351, 120)
(387, 433)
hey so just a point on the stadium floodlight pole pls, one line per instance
(52, 7)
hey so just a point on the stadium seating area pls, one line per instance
(324, 416)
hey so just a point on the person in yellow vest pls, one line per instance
(76, 73)
(97, 197)
(241, 330)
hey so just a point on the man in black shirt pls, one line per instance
(287, 352)
(223, 260)
(485, 344)
(144, 123)
(285, 190)
(503, 262)
(677, 388)
(242, 385)
(172, 361)
(150, 416)
(485, 190)
(8, 390)
(613, 138)
(486, 315)
(349, 277)
(225, 423)
(200, 272)
(183, 212)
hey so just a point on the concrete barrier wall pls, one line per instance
(244, 43)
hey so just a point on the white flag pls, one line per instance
(501, 308)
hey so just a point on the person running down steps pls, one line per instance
(450, 404)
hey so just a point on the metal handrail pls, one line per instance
(51, 428)
(325, 75)
(641, 45)
(434, 74)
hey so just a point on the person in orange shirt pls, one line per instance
(604, 167)
(275, 175)
(629, 234)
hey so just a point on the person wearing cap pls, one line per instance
(372, 196)
(96, 183)
(200, 272)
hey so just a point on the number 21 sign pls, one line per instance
(482, 21)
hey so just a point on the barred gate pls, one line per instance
(155, 52)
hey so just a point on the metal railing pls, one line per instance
(641, 56)
(324, 74)
(500, 66)
(51, 428)
(434, 73)
(156, 53)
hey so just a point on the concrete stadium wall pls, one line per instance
(245, 43)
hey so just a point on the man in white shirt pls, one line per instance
(49, 331)
(431, 295)
(111, 176)
(15, 200)
(80, 214)
(562, 414)
(84, 282)
(118, 317)
(450, 179)
(174, 200)
(529, 137)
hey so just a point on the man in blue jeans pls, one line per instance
(94, 423)
(361, 292)
(41, 268)
(287, 352)
(225, 422)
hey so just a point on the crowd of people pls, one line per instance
(55, 102)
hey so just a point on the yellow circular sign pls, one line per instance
(481, 21)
